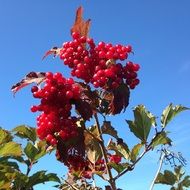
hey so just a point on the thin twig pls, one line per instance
(158, 171)
(72, 186)
(104, 152)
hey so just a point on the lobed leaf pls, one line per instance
(5, 136)
(120, 149)
(161, 139)
(108, 129)
(32, 77)
(10, 149)
(31, 151)
(24, 131)
(80, 26)
(170, 112)
(135, 152)
(143, 120)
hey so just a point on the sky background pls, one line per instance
(159, 32)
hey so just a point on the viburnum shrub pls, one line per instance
(101, 78)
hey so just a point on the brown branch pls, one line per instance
(104, 152)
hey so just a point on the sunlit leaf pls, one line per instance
(167, 178)
(24, 131)
(135, 152)
(161, 139)
(80, 26)
(142, 123)
(120, 149)
(41, 177)
(32, 77)
(31, 151)
(5, 136)
(170, 112)
(10, 149)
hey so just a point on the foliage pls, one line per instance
(13, 155)
(107, 76)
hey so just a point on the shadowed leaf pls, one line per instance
(108, 129)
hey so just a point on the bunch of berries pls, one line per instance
(55, 120)
(99, 64)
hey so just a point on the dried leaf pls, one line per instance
(108, 129)
(55, 51)
(32, 77)
(81, 26)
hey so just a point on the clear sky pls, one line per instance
(159, 32)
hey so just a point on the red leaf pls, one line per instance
(32, 77)
(81, 26)
(55, 51)
(117, 100)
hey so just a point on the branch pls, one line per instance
(158, 171)
(72, 186)
(104, 152)
(131, 167)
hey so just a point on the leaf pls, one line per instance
(118, 167)
(116, 101)
(80, 26)
(167, 178)
(24, 131)
(10, 149)
(142, 123)
(32, 77)
(161, 139)
(186, 181)
(55, 51)
(135, 152)
(5, 136)
(170, 112)
(31, 151)
(108, 129)
(41, 147)
(93, 148)
(84, 109)
(41, 177)
(120, 149)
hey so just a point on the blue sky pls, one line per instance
(159, 33)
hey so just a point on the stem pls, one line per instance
(72, 186)
(104, 152)
(158, 171)
(131, 167)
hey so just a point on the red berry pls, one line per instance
(69, 94)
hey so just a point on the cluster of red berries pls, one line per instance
(55, 120)
(98, 64)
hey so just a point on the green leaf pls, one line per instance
(41, 177)
(5, 136)
(170, 112)
(10, 149)
(143, 120)
(118, 167)
(167, 178)
(120, 149)
(108, 129)
(186, 181)
(161, 139)
(24, 131)
(135, 152)
(31, 151)
(41, 147)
